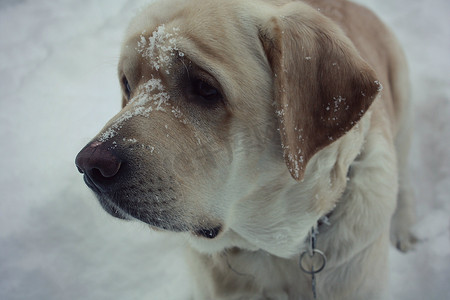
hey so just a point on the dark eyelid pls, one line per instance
(126, 86)
(195, 72)
(207, 78)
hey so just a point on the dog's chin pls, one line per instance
(112, 209)
(157, 223)
(203, 233)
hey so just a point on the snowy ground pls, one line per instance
(58, 87)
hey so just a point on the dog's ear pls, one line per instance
(322, 87)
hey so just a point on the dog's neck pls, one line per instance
(309, 257)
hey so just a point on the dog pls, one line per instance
(268, 133)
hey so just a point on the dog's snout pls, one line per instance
(98, 163)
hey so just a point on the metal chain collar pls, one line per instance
(311, 252)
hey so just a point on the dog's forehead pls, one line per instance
(207, 22)
(164, 11)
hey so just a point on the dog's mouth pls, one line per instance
(113, 210)
(158, 222)
(157, 212)
(129, 211)
(88, 181)
(209, 233)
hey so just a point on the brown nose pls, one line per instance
(99, 165)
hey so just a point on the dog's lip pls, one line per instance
(91, 184)
(112, 210)
(209, 233)
(203, 232)
(156, 228)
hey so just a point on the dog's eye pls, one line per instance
(206, 91)
(126, 86)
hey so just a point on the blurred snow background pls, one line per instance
(58, 87)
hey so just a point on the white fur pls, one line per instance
(266, 214)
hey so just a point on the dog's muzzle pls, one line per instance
(107, 173)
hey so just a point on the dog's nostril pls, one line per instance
(98, 162)
(105, 166)
(96, 175)
(80, 170)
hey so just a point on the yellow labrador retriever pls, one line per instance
(273, 135)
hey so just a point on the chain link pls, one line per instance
(312, 251)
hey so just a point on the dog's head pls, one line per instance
(226, 105)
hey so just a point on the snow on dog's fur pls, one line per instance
(244, 123)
